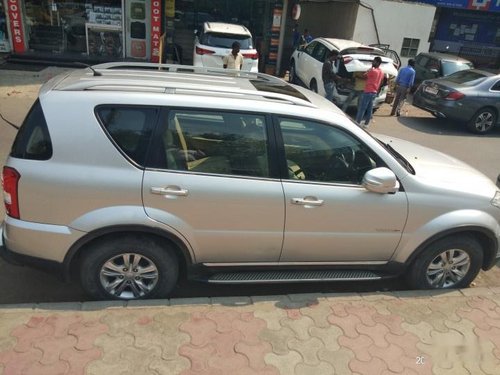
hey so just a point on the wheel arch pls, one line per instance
(77, 250)
(486, 239)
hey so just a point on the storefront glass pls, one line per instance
(93, 28)
(4, 36)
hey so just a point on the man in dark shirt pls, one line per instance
(328, 75)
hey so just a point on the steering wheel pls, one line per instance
(340, 164)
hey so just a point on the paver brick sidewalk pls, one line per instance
(456, 332)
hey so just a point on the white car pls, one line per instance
(215, 41)
(306, 64)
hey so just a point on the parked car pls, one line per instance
(468, 96)
(306, 64)
(215, 41)
(429, 65)
(189, 172)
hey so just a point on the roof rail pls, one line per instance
(145, 82)
(176, 68)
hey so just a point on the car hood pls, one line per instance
(440, 169)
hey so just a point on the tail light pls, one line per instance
(454, 95)
(347, 59)
(203, 51)
(10, 182)
(253, 56)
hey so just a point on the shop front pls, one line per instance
(85, 30)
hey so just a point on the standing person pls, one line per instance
(359, 86)
(374, 77)
(404, 82)
(306, 37)
(328, 75)
(233, 60)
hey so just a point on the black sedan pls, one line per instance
(469, 96)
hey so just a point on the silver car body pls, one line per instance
(89, 189)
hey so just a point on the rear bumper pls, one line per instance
(449, 109)
(35, 240)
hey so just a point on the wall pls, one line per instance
(333, 19)
(395, 20)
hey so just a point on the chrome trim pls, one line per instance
(285, 264)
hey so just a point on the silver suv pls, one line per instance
(129, 177)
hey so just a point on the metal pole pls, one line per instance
(282, 36)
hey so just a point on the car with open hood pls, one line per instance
(307, 61)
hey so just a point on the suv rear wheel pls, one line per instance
(129, 267)
(452, 262)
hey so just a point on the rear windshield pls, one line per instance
(33, 139)
(468, 77)
(362, 51)
(226, 40)
(450, 67)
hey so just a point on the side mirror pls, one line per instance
(380, 180)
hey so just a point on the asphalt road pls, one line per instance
(25, 285)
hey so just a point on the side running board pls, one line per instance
(290, 276)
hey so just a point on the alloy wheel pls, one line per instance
(129, 276)
(448, 268)
(484, 121)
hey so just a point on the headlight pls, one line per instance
(496, 200)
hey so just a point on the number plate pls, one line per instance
(431, 90)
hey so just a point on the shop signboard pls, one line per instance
(16, 25)
(484, 5)
(155, 30)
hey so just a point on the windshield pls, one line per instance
(450, 67)
(467, 77)
(226, 40)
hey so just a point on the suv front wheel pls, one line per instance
(452, 262)
(129, 267)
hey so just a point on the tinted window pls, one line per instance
(450, 67)
(320, 52)
(310, 48)
(226, 40)
(467, 77)
(496, 86)
(129, 127)
(323, 153)
(33, 139)
(210, 142)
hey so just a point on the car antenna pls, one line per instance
(96, 73)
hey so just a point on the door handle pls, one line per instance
(170, 190)
(308, 201)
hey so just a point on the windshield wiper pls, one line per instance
(400, 158)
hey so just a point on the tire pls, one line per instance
(467, 256)
(483, 121)
(105, 266)
(292, 78)
(314, 86)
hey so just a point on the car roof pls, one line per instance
(342, 44)
(227, 28)
(444, 56)
(181, 79)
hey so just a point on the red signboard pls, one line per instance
(16, 25)
(155, 30)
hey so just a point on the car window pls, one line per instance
(33, 140)
(467, 77)
(432, 64)
(130, 128)
(310, 48)
(323, 153)
(212, 142)
(320, 52)
(226, 40)
(450, 67)
(496, 86)
(421, 60)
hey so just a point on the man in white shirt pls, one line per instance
(234, 60)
